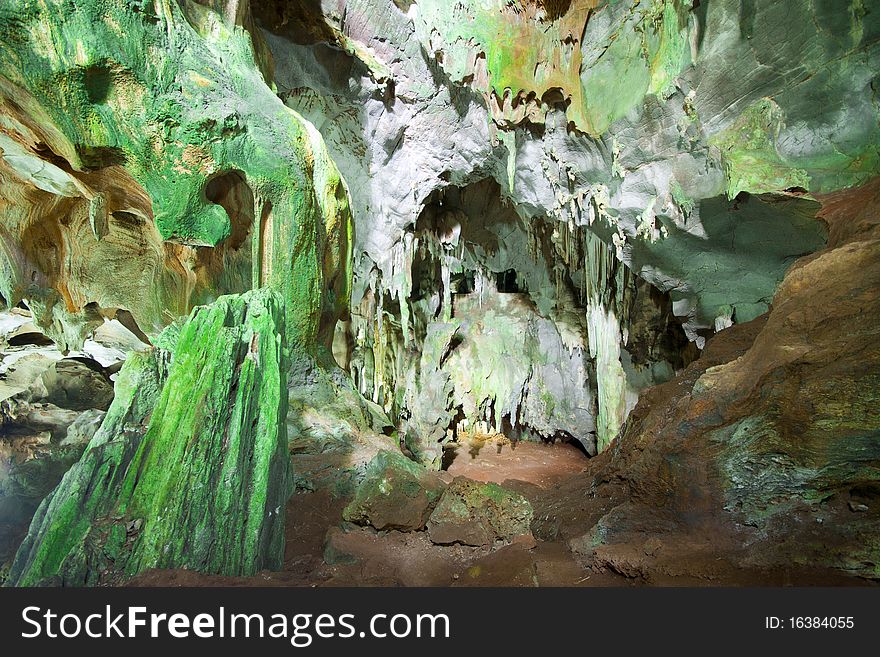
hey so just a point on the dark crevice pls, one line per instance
(230, 191)
(506, 282)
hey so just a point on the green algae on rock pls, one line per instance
(529, 54)
(190, 467)
(63, 544)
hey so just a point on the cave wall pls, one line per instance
(149, 166)
(763, 453)
(636, 135)
(446, 341)
(150, 173)
(617, 124)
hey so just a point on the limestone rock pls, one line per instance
(153, 194)
(77, 384)
(761, 450)
(332, 431)
(31, 465)
(499, 358)
(381, 165)
(474, 513)
(33, 460)
(190, 466)
(396, 493)
(644, 139)
(83, 428)
(19, 493)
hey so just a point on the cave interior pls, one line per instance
(434, 293)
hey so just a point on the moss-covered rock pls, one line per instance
(190, 467)
(396, 493)
(184, 176)
(474, 513)
(59, 546)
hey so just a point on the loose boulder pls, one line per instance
(479, 514)
(77, 384)
(83, 428)
(396, 493)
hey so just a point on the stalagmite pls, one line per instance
(607, 309)
(446, 281)
(605, 339)
(189, 467)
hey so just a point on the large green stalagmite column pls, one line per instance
(200, 480)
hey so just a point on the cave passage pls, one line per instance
(486, 332)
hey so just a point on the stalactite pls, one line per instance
(378, 349)
(446, 277)
(508, 138)
(257, 243)
(401, 277)
(480, 282)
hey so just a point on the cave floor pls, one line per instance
(393, 558)
(556, 480)
(497, 459)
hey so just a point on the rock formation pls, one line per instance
(189, 467)
(382, 236)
